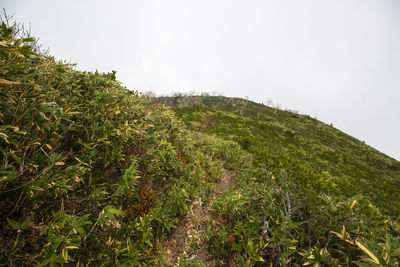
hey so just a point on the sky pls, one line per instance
(336, 60)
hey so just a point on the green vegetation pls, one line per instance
(91, 173)
(94, 174)
(280, 137)
(320, 196)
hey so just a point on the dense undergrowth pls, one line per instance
(91, 173)
(94, 174)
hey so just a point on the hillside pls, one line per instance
(340, 181)
(92, 174)
(352, 166)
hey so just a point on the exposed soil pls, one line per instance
(188, 238)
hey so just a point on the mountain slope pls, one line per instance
(311, 189)
(353, 166)
(92, 174)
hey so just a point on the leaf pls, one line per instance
(21, 132)
(148, 242)
(28, 40)
(257, 258)
(80, 230)
(373, 257)
(27, 223)
(65, 254)
(5, 82)
(59, 163)
(71, 247)
(14, 224)
(5, 137)
(337, 234)
(114, 211)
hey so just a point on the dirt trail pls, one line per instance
(188, 237)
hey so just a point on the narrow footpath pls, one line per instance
(188, 238)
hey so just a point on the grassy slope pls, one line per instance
(354, 166)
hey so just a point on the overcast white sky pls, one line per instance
(338, 60)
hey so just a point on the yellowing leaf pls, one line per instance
(344, 231)
(65, 254)
(49, 146)
(71, 247)
(258, 258)
(59, 163)
(374, 259)
(5, 82)
(338, 235)
(352, 204)
(21, 132)
(386, 258)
